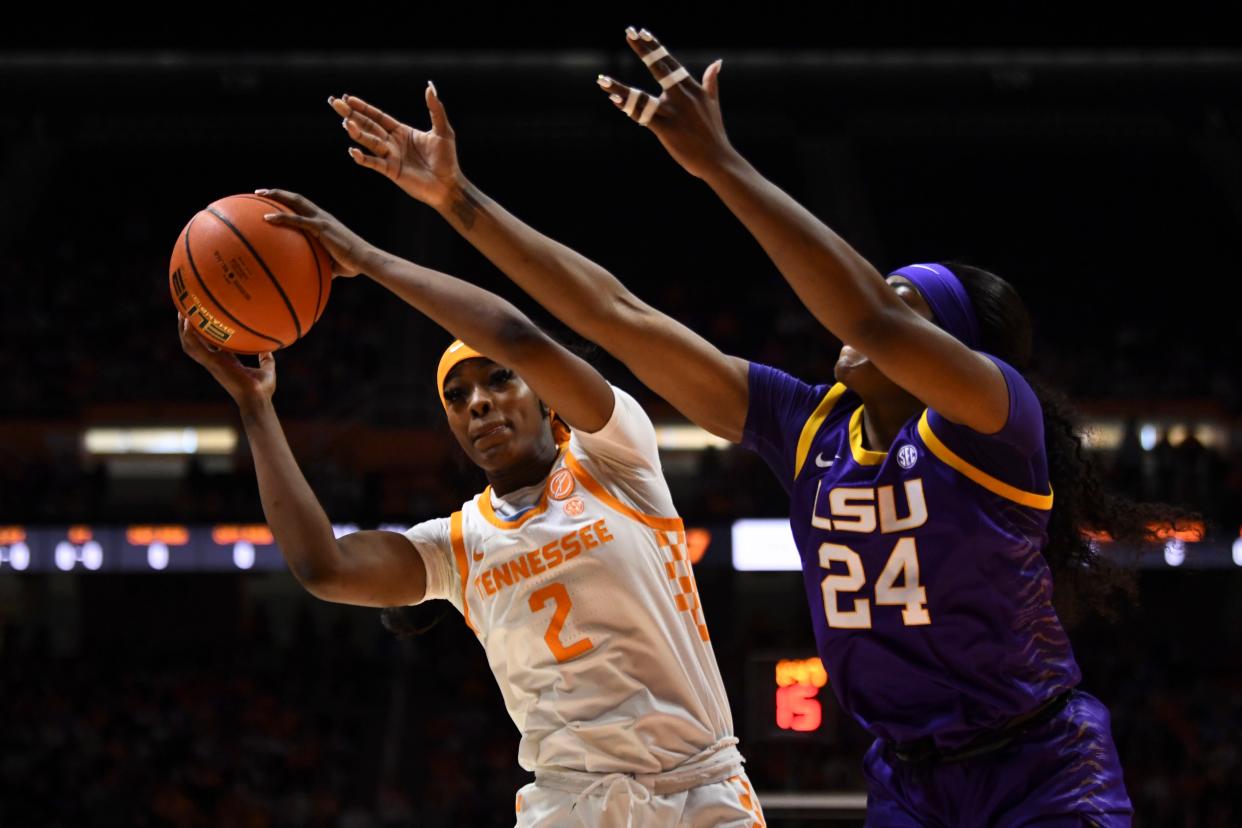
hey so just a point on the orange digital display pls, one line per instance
(147, 535)
(1190, 531)
(11, 534)
(79, 534)
(797, 694)
(257, 533)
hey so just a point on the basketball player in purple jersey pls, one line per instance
(924, 517)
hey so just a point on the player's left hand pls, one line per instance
(685, 116)
(421, 162)
(350, 252)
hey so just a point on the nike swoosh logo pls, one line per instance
(822, 463)
(478, 556)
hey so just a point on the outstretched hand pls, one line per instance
(423, 163)
(350, 252)
(244, 384)
(685, 116)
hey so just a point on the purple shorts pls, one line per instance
(1063, 772)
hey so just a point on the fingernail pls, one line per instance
(631, 33)
(615, 98)
(433, 88)
(269, 216)
(646, 35)
(345, 123)
(260, 192)
(604, 81)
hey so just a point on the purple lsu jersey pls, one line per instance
(930, 600)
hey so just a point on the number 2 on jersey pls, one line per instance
(903, 562)
(557, 593)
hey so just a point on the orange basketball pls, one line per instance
(244, 284)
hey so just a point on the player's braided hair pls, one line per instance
(1086, 581)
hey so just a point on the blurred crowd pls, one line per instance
(366, 367)
(336, 723)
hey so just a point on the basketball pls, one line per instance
(245, 285)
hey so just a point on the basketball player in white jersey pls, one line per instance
(570, 567)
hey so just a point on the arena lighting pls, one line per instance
(1237, 550)
(342, 529)
(1148, 436)
(1191, 531)
(183, 440)
(687, 438)
(1102, 435)
(764, 545)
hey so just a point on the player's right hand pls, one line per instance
(423, 163)
(244, 384)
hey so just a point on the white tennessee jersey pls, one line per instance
(586, 604)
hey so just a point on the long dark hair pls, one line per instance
(1086, 582)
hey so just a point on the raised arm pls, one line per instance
(841, 288)
(369, 569)
(478, 317)
(706, 385)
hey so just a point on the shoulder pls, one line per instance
(785, 414)
(434, 532)
(1011, 462)
(627, 441)
(1023, 430)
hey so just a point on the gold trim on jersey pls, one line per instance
(489, 513)
(811, 427)
(541, 506)
(862, 456)
(987, 481)
(668, 524)
(457, 540)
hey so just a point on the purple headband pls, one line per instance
(947, 298)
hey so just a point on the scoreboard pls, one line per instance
(145, 547)
(748, 545)
(788, 697)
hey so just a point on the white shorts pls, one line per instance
(729, 803)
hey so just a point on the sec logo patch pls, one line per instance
(574, 507)
(907, 456)
(561, 485)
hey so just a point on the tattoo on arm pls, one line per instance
(466, 207)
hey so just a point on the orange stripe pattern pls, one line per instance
(747, 798)
(458, 541)
(686, 594)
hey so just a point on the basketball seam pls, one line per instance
(297, 325)
(314, 256)
(194, 269)
(318, 272)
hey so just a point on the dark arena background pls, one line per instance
(158, 663)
